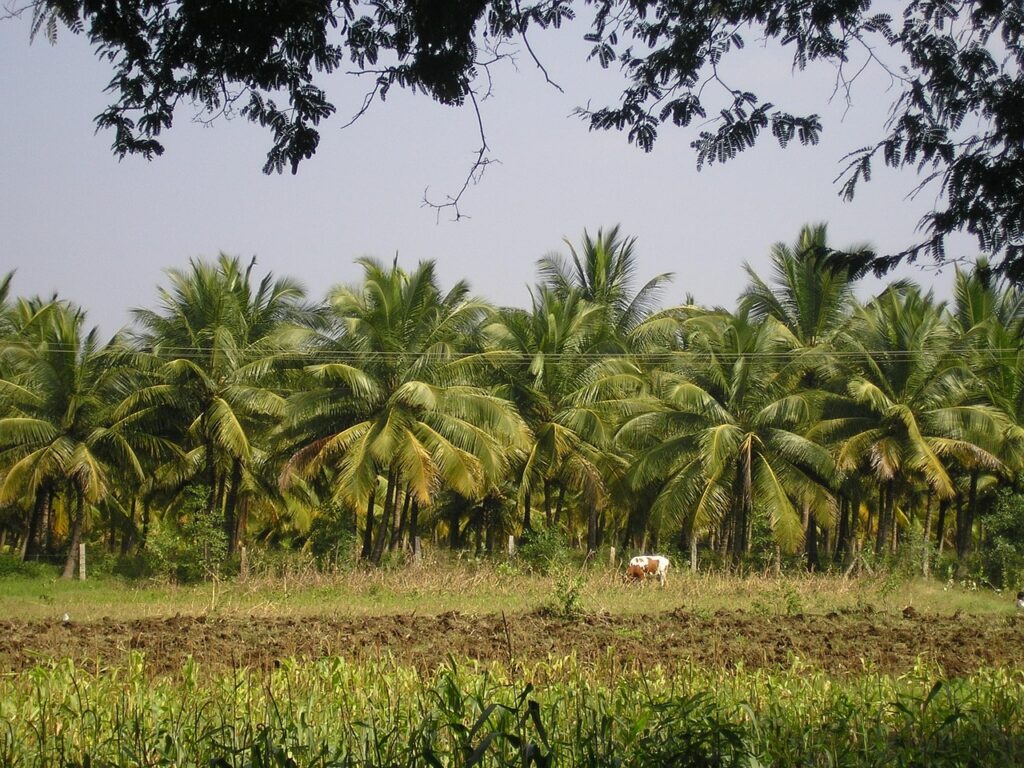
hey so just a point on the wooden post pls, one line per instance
(511, 545)
(81, 561)
(611, 556)
(243, 562)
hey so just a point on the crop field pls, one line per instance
(468, 664)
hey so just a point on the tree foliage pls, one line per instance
(234, 412)
(956, 85)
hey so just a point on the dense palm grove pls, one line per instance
(802, 427)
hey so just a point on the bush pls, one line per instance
(543, 551)
(193, 547)
(332, 540)
(12, 565)
(1002, 552)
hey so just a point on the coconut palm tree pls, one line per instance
(811, 294)
(570, 394)
(908, 413)
(602, 272)
(214, 352)
(398, 399)
(987, 324)
(726, 444)
(59, 435)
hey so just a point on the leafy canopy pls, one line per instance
(955, 68)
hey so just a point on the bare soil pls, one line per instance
(839, 643)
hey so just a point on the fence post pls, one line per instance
(611, 556)
(243, 562)
(81, 561)
(511, 545)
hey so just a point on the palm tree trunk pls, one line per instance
(843, 534)
(965, 522)
(527, 508)
(145, 524)
(231, 528)
(926, 561)
(386, 520)
(46, 529)
(414, 523)
(940, 528)
(881, 534)
(211, 478)
(478, 527)
(491, 529)
(368, 530)
(399, 526)
(591, 530)
(454, 538)
(76, 536)
(811, 539)
(547, 502)
(33, 534)
(634, 527)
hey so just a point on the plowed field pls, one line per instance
(839, 643)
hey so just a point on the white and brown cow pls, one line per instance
(642, 566)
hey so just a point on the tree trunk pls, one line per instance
(926, 563)
(547, 502)
(527, 505)
(368, 530)
(490, 528)
(128, 533)
(591, 529)
(635, 522)
(386, 518)
(478, 527)
(965, 523)
(811, 539)
(843, 534)
(145, 524)
(882, 534)
(231, 527)
(454, 539)
(940, 528)
(211, 478)
(414, 522)
(76, 536)
(398, 527)
(33, 535)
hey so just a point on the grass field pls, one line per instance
(482, 588)
(460, 664)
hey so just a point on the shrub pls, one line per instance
(332, 540)
(545, 550)
(193, 547)
(12, 565)
(1002, 553)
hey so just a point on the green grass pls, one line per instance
(477, 588)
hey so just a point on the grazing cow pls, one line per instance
(1020, 600)
(642, 566)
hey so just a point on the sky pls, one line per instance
(100, 231)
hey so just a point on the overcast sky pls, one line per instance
(74, 219)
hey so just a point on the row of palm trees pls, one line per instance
(802, 421)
